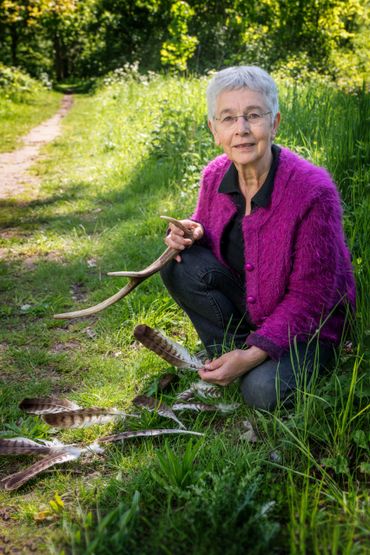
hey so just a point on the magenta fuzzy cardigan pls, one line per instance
(298, 268)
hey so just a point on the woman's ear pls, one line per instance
(275, 125)
(214, 132)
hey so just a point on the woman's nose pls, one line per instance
(242, 125)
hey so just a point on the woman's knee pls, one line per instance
(259, 391)
(187, 277)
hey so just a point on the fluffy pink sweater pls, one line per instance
(297, 265)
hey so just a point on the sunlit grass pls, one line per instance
(18, 117)
(129, 153)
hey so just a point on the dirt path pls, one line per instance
(14, 166)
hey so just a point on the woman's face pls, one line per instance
(245, 143)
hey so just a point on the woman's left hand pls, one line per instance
(232, 365)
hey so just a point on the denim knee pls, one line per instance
(259, 389)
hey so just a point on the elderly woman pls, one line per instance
(268, 278)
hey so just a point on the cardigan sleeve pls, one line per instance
(312, 290)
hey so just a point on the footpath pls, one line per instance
(15, 178)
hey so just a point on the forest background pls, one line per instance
(60, 39)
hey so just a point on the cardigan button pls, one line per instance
(251, 300)
(249, 267)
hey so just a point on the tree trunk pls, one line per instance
(14, 44)
(58, 58)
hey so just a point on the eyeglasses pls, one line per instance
(254, 118)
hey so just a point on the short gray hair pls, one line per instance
(243, 77)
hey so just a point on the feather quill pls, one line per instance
(203, 407)
(169, 350)
(145, 433)
(152, 405)
(43, 405)
(83, 418)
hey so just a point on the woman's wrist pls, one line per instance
(253, 356)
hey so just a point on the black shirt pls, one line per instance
(232, 242)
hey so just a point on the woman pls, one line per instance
(268, 278)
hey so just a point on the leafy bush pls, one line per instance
(16, 84)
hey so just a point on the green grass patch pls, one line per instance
(130, 152)
(20, 115)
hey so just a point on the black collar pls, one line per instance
(230, 181)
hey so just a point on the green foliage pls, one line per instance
(180, 47)
(177, 473)
(301, 488)
(17, 85)
(84, 38)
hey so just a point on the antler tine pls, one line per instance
(135, 278)
(134, 282)
(165, 257)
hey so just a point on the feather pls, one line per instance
(198, 407)
(22, 446)
(206, 390)
(154, 406)
(185, 395)
(166, 380)
(202, 389)
(56, 453)
(44, 405)
(203, 407)
(15, 481)
(83, 418)
(169, 350)
(145, 433)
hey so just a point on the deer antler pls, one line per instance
(135, 277)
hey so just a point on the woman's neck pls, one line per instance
(253, 176)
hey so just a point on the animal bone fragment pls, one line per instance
(135, 277)
(145, 433)
(55, 453)
(169, 350)
(48, 405)
(153, 406)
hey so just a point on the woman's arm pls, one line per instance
(317, 280)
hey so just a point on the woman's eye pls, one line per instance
(227, 119)
(254, 116)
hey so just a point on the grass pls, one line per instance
(130, 152)
(20, 115)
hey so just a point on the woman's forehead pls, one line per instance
(237, 99)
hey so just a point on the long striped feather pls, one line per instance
(169, 350)
(22, 446)
(15, 481)
(203, 407)
(56, 453)
(83, 418)
(152, 405)
(145, 433)
(43, 405)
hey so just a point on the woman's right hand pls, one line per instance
(176, 240)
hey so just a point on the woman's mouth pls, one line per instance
(244, 146)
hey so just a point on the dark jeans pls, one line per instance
(213, 298)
